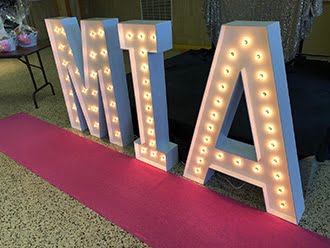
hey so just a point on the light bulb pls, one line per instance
(218, 101)
(153, 37)
(197, 170)
(227, 71)
(77, 72)
(272, 144)
(92, 34)
(67, 78)
(56, 29)
(84, 90)
(115, 119)
(129, 36)
(148, 108)
(214, 115)
(143, 52)
(269, 128)
(149, 120)
(232, 54)
(112, 104)
(71, 93)
(77, 120)
(282, 204)
(94, 92)
(144, 67)
(256, 168)
(65, 63)
(222, 87)
(100, 32)
(93, 74)
(200, 160)
(107, 70)
(258, 57)
(261, 75)
(152, 143)
(143, 150)
(206, 139)
(203, 149)
(145, 81)
(94, 109)
(153, 154)
(246, 41)
(63, 32)
(237, 161)
(219, 155)
(147, 95)
(70, 52)
(92, 55)
(61, 47)
(162, 158)
(150, 131)
(141, 36)
(74, 107)
(104, 52)
(210, 127)
(96, 124)
(264, 93)
(275, 160)
(277, 175)
(110, 88)
(280, 190)
(117, 134)
(267, 112)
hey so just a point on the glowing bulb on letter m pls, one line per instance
(76, 54)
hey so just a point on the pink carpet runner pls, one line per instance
(159, 208)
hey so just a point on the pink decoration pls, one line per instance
(24, 39)
(4, 46)
(159, 208)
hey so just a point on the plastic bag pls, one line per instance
(8, 40)
(15, 20)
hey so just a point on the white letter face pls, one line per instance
(146, 42)
(249, 55)
(92, 74)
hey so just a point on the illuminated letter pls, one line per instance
(146, 42)
(249, 56)
(92, 74)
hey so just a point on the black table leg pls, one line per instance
(44, 73)
(41, 67)
(27, 62)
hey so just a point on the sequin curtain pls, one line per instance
(295, 17)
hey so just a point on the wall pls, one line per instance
(62, 7)
(318, 43)
(189, 27)
(122, 9)
(39, 10)
(189, 30)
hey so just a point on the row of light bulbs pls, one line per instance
(94, 34)
(93, 75)
(61, 48)
(267, 111)
(141, 36)
(148, 108)
(103, 52)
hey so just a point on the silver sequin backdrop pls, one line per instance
(295, 17)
